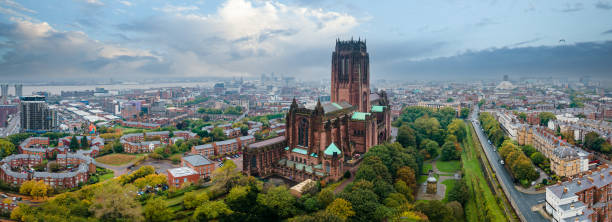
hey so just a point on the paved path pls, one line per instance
(522, 200)
(440, 187)
(117, 170)
(353, 171)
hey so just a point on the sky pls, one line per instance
(55, 40)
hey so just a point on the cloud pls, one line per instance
(94, 2)
(607, 32)
(485, 22)
(38, 50)
(15, 5)
(126, 3)
(587, 58)
(177, 9)
(242, 38)
(603, 5)
(572, 8)
(524, 42)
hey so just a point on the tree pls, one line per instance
(431, 147)
(373, 169)
(435, 210)
(408, 176)
(241, 198)
(593, 141)
(340, 208)
(113, 202)
(457, 128)
(39, 189)
(226, 176)
(456, 209)
(278, 200)
(156, 210)
(537, 158)
(6, 148)
(406, 136)
(84, 143)
(211, 210)
(545, 117)
(26, 187)
(528, 150)
(325, 197)
(217, 134)
(244, 130)
(192, 200)
(449, 152)
(74, 144)
(460, 192)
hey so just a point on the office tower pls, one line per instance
(4, 88)
(36, 114)
(18, 90)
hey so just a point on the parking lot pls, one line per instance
(237, 161)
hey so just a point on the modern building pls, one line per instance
(586, 198)
(18, 90)
(36, 115)
(319, 141)
(4, 95)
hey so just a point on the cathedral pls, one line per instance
(321, 142)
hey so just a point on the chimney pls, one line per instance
(602, 176)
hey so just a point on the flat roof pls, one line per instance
(181, 171)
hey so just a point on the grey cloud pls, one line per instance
(572, 8)
(603, 5)
(588, 58)
(485, 22)
(524, 42)
(607, 32)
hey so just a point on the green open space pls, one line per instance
(448, 166)
(179, 199)
(118, 159)
(449, 186)
(482, 203)
(426, 167)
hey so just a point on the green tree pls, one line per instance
(113, 202)
(457, 128)
(225, 177)
(156, 210)
(431, 147)
(325, 197)
(6, 148)
(211, 210)
(406, 136)
(537, 158)
(241, 198)
(435, 210)
(372, 169)
(449, 152)
(192, 200)
(545, 117)
(74, 144)
(278, 200)
(460, 192)
(217, 134)
(340, 208)
(84, 143)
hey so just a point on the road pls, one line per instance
(523, 201)
(12, 126)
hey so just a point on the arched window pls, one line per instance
(365, 100)
(303, 133)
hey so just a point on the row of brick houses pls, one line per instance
(84, 165)
(140, 143)
(193, 169)
(565, 159)
(585, 198)
(223, 147)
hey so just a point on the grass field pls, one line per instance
(449, 186)
(106, 176)
(426, 167)
(117, 159)
(482, 201)
(448, 166)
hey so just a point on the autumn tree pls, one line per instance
(113, 202)
(340, 208)
(6, 148)
(192, 200)
(226, 176)
(156, 210)
(211, 210)
(279, 201)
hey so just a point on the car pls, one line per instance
(4, 195)
(501, 162)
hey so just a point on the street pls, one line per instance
(12, 126)
(522, 200)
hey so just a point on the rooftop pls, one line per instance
(181, 171)
(331, 149)
(197, 160)
(359, 116)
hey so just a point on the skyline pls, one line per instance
(154, 39)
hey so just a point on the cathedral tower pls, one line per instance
(350, 79)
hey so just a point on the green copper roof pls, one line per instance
(286, 148)
(337, 106)
(331, 149)
(378, 109)
(300, 151)
(359, 116)
(314, 155)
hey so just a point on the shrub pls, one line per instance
(347, 174)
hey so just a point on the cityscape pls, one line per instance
(240, 110)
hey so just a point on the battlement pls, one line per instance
(351, 45)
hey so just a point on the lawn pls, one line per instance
(426, 168)
(106, 176)
(117, 159)
(481, 194)
(449, 186)
(448, 166)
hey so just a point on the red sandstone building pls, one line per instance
(319, 141)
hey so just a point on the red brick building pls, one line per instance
(178, 176)
(200, 164)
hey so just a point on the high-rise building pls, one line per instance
(4, 88)
(18, 90)
(506, 78)
(350, 81)
(36, 114)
